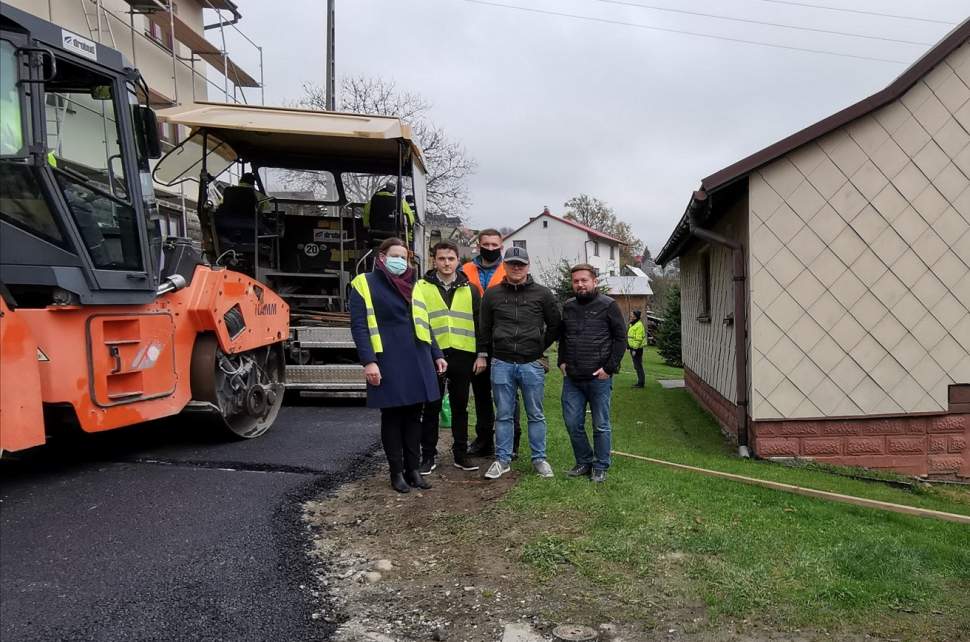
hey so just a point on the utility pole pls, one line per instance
(331, 50)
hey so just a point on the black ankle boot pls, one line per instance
(415, 479)
(398, 483)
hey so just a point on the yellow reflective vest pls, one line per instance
(264, 203)
(636, 336)
(405, 209)
(419, 313)
(454, 327)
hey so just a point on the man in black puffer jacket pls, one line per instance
(519, 320)
(590, 348)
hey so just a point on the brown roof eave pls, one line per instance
(680, 237)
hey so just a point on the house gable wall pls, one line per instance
(860, 261)
(708, 346)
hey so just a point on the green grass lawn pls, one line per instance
(747, 552)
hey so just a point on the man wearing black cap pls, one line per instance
(519, 320)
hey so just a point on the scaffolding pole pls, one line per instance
(331, 51)
(171, 26)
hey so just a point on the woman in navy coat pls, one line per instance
(403, 376)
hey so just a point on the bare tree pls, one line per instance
(594, 213)
(661, 284)
(448, 163)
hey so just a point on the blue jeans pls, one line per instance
(575, 396)
(530, 378)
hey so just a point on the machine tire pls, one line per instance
(244, 413)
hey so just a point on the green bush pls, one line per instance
(668, 336)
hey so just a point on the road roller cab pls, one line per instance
(102, 316)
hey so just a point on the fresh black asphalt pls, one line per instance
(169, 532)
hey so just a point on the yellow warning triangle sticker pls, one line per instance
(41, 356)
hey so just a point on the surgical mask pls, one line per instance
(396, 265)
(490, 255)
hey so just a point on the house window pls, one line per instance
(612, 252)
(520, 244)
(545, 224)
(596, 248)
(162, 35)
(169, 220)
(705, 312)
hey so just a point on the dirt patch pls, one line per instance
(439, 573)
(448, 563)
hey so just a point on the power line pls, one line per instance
(761, 22)
(680, 31)
(860, 11)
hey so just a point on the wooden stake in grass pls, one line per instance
(808, 492)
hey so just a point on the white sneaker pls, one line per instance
(543, 469)
(496, 470)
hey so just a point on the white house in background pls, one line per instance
(549, 240)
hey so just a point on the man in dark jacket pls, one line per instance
(592, 343)
(453, 308)
(519, 320)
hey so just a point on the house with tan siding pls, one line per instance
(826, 281)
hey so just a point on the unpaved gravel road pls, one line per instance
(446, 564)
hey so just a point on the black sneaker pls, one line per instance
(463, 463)
(479, 449)
(427, 465)
(579, 470)
(598, 476)
(515, 455)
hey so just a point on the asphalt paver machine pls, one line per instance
(322, 190)
(104, 323)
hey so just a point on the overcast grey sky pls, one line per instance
(553, 106)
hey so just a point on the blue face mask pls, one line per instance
(396, 265)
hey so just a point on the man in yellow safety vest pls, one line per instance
(636, 338)
(453, 312)
(263, 202)
(380, 212)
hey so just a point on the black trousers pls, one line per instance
(637, 356)
(485, 410)
(459, 379)
(401, 436)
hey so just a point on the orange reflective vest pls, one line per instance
(471, 271)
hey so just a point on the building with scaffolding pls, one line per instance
(179, 46)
